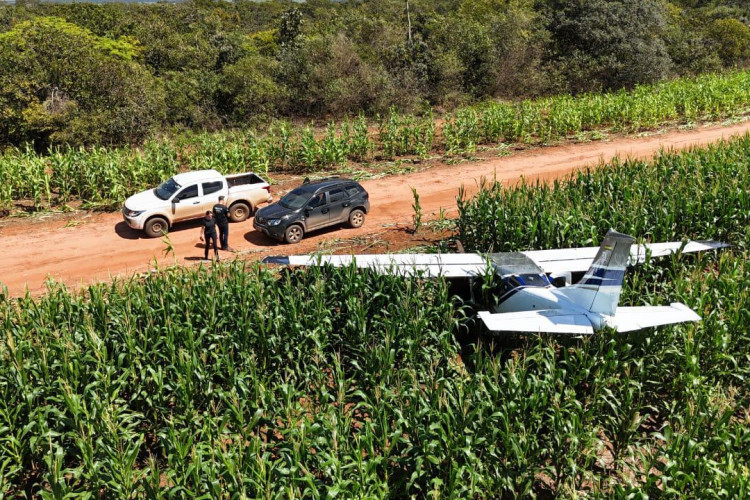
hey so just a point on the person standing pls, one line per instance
(221, 214)
(208, 233)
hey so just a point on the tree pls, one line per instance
(250, 89)
(610, 43)
(733, 40)
(61, 83)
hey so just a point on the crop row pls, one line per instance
(698, 194)
(235, 381)
(102, 177)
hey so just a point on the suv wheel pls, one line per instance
(239, 211)
(293, 234)
(156, 227)
(356, 218)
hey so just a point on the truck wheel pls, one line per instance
(239, 211)
(156, 227)
(293, 234)
(356, 218)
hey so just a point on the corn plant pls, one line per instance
(461, 132)
(417, 207)
(360, 143)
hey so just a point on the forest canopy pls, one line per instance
(118, 73)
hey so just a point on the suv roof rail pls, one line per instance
(330, 178)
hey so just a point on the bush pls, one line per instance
(250, 88)
(733, 39)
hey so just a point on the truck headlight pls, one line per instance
(132, 213)
(274, 222)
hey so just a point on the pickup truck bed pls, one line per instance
(243, 179)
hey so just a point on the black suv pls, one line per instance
(314, 205)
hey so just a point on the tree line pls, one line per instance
(84, 74)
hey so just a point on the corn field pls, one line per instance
(238, 382)
(102, 178)
(702, 193)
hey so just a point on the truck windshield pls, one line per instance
(167, 189)
(295, 199)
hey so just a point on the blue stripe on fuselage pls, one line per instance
(509, 294)
(603, 276)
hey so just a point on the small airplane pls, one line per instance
(534, 292)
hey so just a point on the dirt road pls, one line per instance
(91, 247)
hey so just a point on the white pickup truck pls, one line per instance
(189, 195)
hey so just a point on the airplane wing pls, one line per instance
(580, 259)
(467, 265)
(627, 319)
(547, 321)
(457, 265)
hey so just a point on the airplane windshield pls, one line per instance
(514, 263)
(534, 279)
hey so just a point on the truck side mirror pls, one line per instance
(175, 199)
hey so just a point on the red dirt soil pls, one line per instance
(86, 248)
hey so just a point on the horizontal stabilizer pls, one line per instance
(627, 319)
(456, 265)
(547, 321)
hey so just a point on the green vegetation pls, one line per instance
(417, 207)
(117, 74)
(701, 193)
(104, 177)
(687, 100)
(65, 84)
(675, 406)
(237, 382)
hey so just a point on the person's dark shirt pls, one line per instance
(221, 214)
(209, 225)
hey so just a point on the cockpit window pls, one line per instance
(514, 263)
(506, 285)
(534, 279)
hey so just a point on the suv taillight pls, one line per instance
(267, 188)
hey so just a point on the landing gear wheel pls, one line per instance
(156, 227)
(356, 218)
(293, 234)
(239, 211)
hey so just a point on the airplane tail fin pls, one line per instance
(599, 289)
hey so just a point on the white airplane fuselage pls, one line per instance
(537, 298)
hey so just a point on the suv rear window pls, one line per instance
(352, 190)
